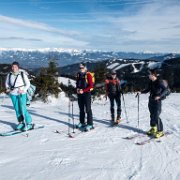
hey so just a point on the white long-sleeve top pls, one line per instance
(20, 84)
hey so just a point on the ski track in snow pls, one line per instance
(101, 154)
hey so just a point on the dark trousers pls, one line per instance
(84, 102)
(117, 98)
(155, 111)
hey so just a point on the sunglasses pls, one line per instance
(81, 67)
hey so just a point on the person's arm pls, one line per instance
(164, 90)
(7, 82)
(147, 89)
(90, 83)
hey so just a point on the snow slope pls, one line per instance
(101, 154)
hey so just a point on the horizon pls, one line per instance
(81, 50)
(103, 25)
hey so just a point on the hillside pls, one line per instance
(101, 154)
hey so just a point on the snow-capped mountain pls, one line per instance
(134, 71)
(165, 57)
(34, 58)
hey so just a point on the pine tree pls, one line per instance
(100, 76)
(47, 81)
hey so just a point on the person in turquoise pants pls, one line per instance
(17, 89)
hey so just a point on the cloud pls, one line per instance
(150, 26)
(39, 34)
(35, 25)
(20, 38)
(129, 25)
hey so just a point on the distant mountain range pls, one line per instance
(134, 71)
(32, 58)
(132, 67)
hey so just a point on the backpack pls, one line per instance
(168, 91)
(93, 79)
(31, 90)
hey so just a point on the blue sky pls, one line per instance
(119, 25)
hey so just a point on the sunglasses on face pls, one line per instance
(81, 67)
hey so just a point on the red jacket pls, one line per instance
(112, 84)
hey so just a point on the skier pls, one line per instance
(113, 91)
(17, 89)
(84, 85)
(157, 91)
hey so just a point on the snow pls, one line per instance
(122, 66)
(101, 154)
(112, 65)
(154, 65)
(65, 81)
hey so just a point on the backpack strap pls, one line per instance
(9, 80)
(22, 75)
(12, 87)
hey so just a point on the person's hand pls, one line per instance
(157, 98)
(8, 91)
(20, 91)
(81, 91)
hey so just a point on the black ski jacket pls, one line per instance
(156, 88)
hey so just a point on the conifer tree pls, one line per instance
(47, 82)
(100, 76)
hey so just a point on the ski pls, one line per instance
(70, 135)
(145, 141)
(14, 132)
(152, 138)
(134, 136)
(73, 135)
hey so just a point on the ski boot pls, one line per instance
(152, 131)
(20, 126)
(88, 128)
(117, 120)
(159, 134)
(80, 125)
(28, 127)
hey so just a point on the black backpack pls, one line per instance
(168, 91)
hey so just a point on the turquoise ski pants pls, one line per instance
(19, 103)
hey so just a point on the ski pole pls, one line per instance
(125, 108)
(69, 116)
(138, 111)
(69, 109)
(22, 109)
(137, 96)
(73, 115)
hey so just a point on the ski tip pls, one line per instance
(70, 136)
(26, 135)
(139, 143)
